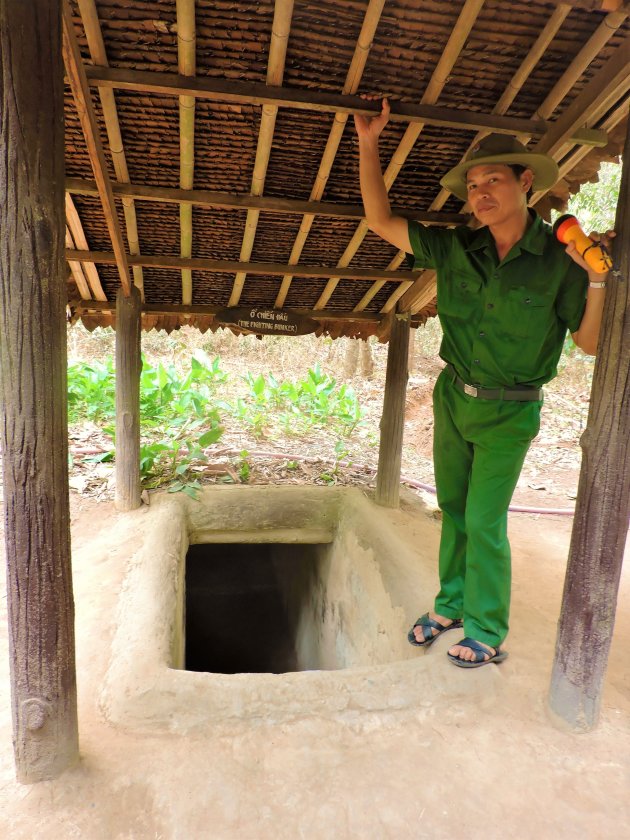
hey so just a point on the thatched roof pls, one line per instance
(246, 115)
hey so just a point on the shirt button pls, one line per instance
(482, 333)
(490, 306)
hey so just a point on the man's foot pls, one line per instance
(469, 653)
(429, 626)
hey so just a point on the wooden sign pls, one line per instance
(266, 321)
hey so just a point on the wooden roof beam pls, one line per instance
(229, 201)
(187, 66)
(96, 46)
(453, 48)
(81, 93)
(234, 266)
(220, 90)
(76, 231)
(281, 28)
(209, 309)
(351, 85)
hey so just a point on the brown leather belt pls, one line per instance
(523, 394)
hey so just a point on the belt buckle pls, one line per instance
(470, 390)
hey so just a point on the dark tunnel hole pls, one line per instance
(236, 612)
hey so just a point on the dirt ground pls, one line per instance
(484, 763)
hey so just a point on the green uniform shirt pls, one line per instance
(504, 323)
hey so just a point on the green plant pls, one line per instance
(298, 406)
(244, 467)
(91, 391)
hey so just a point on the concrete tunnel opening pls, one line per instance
(256, 608)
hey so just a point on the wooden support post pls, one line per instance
(393, 418)
(128, 366)
(33, 391)
(603, 504)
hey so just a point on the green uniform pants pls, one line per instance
(479, 449)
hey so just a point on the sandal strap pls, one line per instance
(479, 651)
(427, 623)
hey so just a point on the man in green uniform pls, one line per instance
(507, 292)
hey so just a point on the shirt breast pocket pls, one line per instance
(459, 296)
(527, 312)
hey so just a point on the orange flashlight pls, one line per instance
(567, 229)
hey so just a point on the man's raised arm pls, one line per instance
(378, 212)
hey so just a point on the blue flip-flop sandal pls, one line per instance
(480, 652)
(428, 625)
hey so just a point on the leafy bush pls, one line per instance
(315, 401)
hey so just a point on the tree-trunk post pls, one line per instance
(393, 418)
(33, 391)
(603, 504)
(128, 367)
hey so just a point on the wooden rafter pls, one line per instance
(81, 93)
(351, 85)
(234, 266)
(281, 28)
(218, 90)
(438, 79)
(77, 269)
(186, 57)
(96, 46)
(78, 235)
(231, 201)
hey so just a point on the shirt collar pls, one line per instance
(533, 240)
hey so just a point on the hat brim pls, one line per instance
(545, 171)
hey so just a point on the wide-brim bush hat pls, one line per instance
(501, 148)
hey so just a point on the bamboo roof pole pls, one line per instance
(376, 288)
(580, 63)
(96, 46)
(453, 48)
(601, 94)
(77, 270)
(76, 230)
(281, 28)
(515, 84)
(83, 102)
(591, 49)
(187, 66)
(355, 72)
